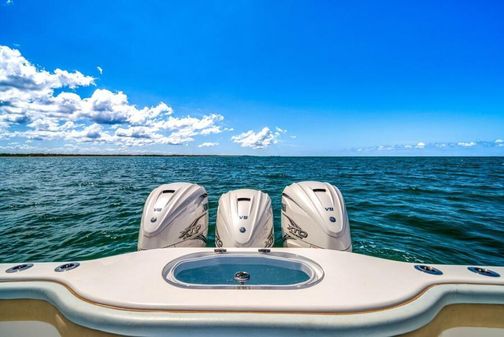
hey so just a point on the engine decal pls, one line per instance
(201, 237)
(191, 230)
(218, 241)
(286, 237)
(295, 230)
(270, 240)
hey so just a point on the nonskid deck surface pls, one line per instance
(350, 283)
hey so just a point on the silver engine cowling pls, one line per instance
(175, 215)
(314, 215)
(244, 219)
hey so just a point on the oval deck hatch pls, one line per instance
(242, 270)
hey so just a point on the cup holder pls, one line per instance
(66, 267)
(428, 269)
(19, 267)
(484, 271)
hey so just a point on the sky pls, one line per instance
(252, 77)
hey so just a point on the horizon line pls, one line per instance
(41, 154)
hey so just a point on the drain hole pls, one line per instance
(484, 271)
(428, 269)
(67, 267)
(19, 267)
(242, 277)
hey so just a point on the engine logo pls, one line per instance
(296, 230)
(190, 231)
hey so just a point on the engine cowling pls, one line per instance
(314, 215)
(244, 219)
(175, 215)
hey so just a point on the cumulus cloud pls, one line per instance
(260, 139)
(88, 134)
(40, 104)
(466, 144)
(208, 144)
(18, 76)
(433, 147)
(385, 148)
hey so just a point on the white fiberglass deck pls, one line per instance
(341, 293)
(351, 283)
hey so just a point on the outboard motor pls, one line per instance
(175, 215)
(314, 215)
(244, 219)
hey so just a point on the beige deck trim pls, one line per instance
(463, 315)
(455, 315)
(422, 292)
(38, 310)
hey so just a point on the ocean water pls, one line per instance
(431, 210)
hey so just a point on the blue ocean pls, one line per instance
(423, 209)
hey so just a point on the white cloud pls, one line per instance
(208, 144)
(499, 141)
(18, 76)
(100, 70)
(39, 104)
(466, 144)
(260, 139)
(433, 147)
(88, 134)
(106, 107)
(385, 148)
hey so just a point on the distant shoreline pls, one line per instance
(111, 155)
(35, 155)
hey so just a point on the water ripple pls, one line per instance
(429, 210)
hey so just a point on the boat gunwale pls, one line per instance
(311, 312)
(400, 319)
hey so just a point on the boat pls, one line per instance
(175, 285)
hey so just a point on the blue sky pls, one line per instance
(252, 77)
